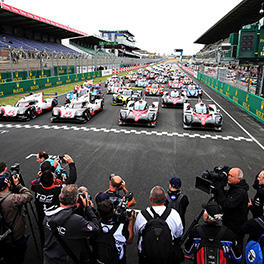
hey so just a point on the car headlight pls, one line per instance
(218, 120)
(188, 119)
(78, 113)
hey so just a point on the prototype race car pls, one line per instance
(29, 107)
(175, 84)
(77, 92)
(174, 98)
(113, 88)
(193, 90)
(81, 109)
(201, 115)
(142, 83)
(139, 113)
(125, 95)
(154, 89)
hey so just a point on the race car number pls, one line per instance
(11, 113)
(68, 114)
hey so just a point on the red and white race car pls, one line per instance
(175, 84)
(29, 107)
(155, 89)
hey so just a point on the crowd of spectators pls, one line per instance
(72, 229)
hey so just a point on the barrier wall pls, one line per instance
(13, 88)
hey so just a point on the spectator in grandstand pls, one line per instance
(256, 204)
(66, 233)
(13, 247)
(176, 199)
(212, 230)
(122, 233)
(117, 184)
(234, 202)
(154, 247)
(47, 188)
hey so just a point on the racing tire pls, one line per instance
(28, 115)
(218, 129)
(87, 116)
(186, 126)
(33, 113)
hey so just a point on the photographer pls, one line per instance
(13, 196)
(256, 205)
(65, 231)
(212, 237)
(234, 202)
(47, 188)
(117, 184)
(110, 242)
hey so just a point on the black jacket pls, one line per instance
(72, 228)
(253, 229)
(234, 202)
(258, 202)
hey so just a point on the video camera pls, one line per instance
(121, 213)
(206, 182)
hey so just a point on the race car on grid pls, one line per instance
(29, 107)
(113, 88)
(80, 110)
(155, 89)
(175, 84)
(125, 95)
(139, 113)
(77, 92)
(174, 98)
(202, 114)
(142, 83)
(193, 90)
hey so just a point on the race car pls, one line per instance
(174, 98)
(154, 89)
(113, 88)
(29, 107)
(125, 95)
(142, 83)
(193, 90)
(77, 92)
(139, 113)
(175, 84)
(201, 115)
(81, 109)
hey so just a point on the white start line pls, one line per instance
(126, 131)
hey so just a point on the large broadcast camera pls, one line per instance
(206, 182)
(121, 213)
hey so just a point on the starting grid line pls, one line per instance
(125, 131)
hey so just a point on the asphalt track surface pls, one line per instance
(143, 156)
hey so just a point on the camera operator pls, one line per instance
(66, 232)
(176, 199)
(121, 233)
(11, 207)
(214, 235)
(117, 184)
(256, 205)
(159, 229)
(47, 188)
(234, 202)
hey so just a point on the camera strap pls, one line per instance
(66, 248)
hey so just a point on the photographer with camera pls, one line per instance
(159, 229)
(66, 232)
(234, 202)
(176, 199)
(212, 242)
(13, 196)
(256, 204)
(47, 188)
(110, 243)
(117, 184)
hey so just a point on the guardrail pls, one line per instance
(251, 103)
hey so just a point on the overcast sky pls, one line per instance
(158, 26)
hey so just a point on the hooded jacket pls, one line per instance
(73, 229)
(234, 202)
(12, 209)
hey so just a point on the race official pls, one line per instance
(11, 205)
(66, 232)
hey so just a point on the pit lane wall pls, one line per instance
(251, 103)
(19, 87)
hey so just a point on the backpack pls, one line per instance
(156, 238)
(105, 247)
(254, 250)
(211, 249)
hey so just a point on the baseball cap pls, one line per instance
(99, 197)
(175, 182)
(213, 208)
(4, 179)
